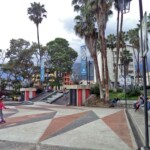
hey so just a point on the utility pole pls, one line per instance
(144, 80)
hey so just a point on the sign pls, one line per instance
(42, 71)
(83, 67)
(122, 80)
(143, 36)
(83, 70)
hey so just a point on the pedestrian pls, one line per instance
(139, 102)
(65, 94)
(2, 106)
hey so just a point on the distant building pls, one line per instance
(67, 79)
(90, 71)
(111, 59)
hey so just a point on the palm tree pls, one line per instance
(102, 10)
(119, 37)
(85, 28)
(36, 14)
(133, 36)
(126, 58)
(111, 43)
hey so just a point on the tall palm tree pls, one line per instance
(133, 36)
(36, 14)
(102, 10)
(85, 28)
(119, 37)
(111, 43)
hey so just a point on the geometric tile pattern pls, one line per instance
(62, 120)
(117, 120)
(16, 121)
(67, 123)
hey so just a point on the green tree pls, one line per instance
(111, 43)
(119, 39)
(61, 55)
(126, 58)
(36, 14)
(20, 59)
(133, 36)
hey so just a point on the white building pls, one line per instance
(111, 59)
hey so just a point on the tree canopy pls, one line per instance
(61, 55)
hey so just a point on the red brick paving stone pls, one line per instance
(23, 118)
(61, 107)
(32, 108)
(58, 124)
(118, 123)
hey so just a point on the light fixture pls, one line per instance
(124, 5)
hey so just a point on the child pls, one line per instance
(2, 106)
(65, 93)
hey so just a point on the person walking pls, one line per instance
(65, 94)
(2, 106)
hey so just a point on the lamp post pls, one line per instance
(89, 71)
(144, 80)
(125, 83)
(86, 70)
(124, 5)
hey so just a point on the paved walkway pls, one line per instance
(45, 126)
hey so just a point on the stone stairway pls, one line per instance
(53, 97)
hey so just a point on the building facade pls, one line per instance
(111, 61)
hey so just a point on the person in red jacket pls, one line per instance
(2, 106)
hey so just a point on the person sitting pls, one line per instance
(139, 102)
(114, 101)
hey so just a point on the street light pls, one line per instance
(89, 71)
(124, 5)
(125, 65)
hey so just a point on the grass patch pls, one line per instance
(121, 95)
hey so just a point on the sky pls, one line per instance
(15, 23)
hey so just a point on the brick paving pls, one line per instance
(45, 126)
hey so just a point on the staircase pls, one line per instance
(53, 97)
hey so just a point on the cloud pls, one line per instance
(69, 24)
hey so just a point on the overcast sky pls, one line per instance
(59, 22)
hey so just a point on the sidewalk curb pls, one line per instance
(131, 131)
(138, 135)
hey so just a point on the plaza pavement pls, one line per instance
(44, 126)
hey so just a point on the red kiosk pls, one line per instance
(78, 94)
(28, 93)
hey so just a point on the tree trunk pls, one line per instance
(104, 50)
(98, 76)
(103, 70)
(91, 46)
(38, 39)
(119, 37)
(117, 52)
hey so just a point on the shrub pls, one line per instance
(133, 92)
(119, 90)
(95, 90)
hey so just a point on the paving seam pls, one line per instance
(130, 129)
(13, 145)
(135, 130)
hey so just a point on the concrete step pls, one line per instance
(54, 98)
